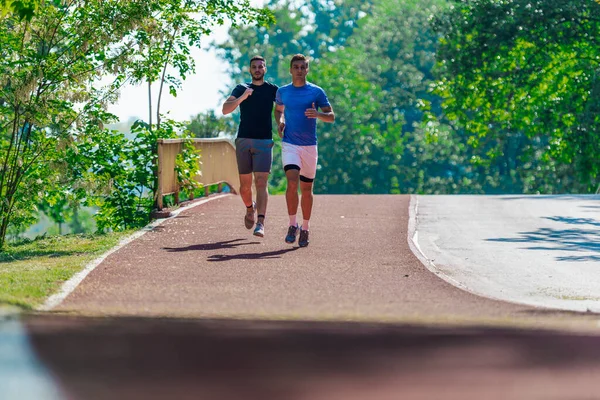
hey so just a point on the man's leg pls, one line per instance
(306, 202)
(306, 187)
(244, 161)
(290, 155)
(292, 173)
(261, 180)
(246, 189)
(262, 158)
(291, 193)
(246, 194)
(307, 177)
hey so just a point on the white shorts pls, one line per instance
(303, 156)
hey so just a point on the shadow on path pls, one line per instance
(20, 255)
(575, 221)
(252, 256)
(567, 240)
(594, 208)
(228, 244)
(580, 197)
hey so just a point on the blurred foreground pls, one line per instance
(143, 358)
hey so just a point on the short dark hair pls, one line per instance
(257, 58)
(299, 57)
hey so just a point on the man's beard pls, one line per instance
(258, 77)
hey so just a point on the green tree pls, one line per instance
(164, 40)
(399, 61)
(314, 29)
(210, 125)
(377, 72)
(120, 173)
(358, 153)
(46, 66)
(320, 30)
(51, 63)
(522, 78)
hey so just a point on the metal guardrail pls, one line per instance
(218, 166)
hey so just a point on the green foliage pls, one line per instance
(23, 9)
(187, 166)
(55, 205)
(47, 66)
(526, 73)
(121, 172)
(314, 29)
(210, 125)
(517, 80)
(401, 56)
(397, 61)
(52, 62)
(357, 154)
(374, 78)
(165, 39)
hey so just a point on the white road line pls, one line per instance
(69, 286)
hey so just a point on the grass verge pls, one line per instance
(31, 271)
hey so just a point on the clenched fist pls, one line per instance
(311, 112)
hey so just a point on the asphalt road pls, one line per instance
(536, 250)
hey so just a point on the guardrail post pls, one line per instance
(159, 189)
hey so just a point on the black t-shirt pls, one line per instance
(256, 112)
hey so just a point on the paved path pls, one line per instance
(204, 263)
(537, 250)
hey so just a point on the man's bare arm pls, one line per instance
(326, 115)
(233, 102)
(279, 119)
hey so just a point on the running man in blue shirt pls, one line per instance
(254, 142)
(296, 113)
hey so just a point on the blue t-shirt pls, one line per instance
(299, 129)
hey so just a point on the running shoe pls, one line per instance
(303, 241)
(291, 235)
(249, 217)
(259, 230)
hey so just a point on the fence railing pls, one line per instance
(218, 166)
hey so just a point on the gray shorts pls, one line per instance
(254, 155)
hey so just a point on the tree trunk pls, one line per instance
(162, 78)
(3, 230)
(150, 105)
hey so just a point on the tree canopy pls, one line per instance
(374, 79)
(526, 72)
(61, 63)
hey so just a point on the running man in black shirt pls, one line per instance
(254, 142)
